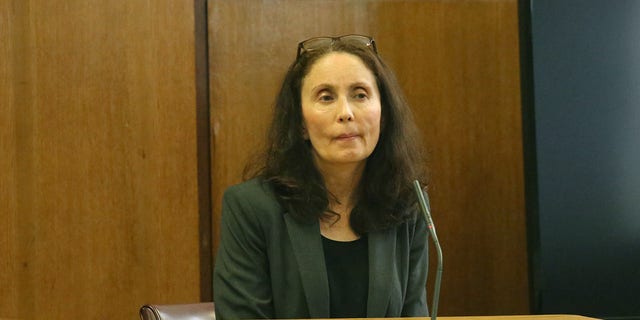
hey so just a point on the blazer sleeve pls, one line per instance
(415, 302)
(241, 282)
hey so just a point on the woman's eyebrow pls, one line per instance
(361, 84)
(322, 86)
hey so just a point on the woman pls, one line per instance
(328, 224)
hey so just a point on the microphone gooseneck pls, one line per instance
(426, 212)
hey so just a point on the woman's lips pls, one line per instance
(347, 136)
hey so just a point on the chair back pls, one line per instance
(195, 311)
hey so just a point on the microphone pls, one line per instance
(426, 212)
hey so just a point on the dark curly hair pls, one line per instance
(385, 195)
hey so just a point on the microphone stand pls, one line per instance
(424, 205)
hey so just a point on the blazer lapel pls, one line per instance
(307, 248)
(382, 252)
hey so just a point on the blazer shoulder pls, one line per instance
(255, 195)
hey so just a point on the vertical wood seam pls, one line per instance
(203, 149)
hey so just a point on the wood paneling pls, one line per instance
(101, 210)
(8, 201)
(458, 64)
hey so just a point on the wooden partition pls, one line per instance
(8, 175)
(98, 192)
(458, 64)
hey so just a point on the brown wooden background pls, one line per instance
(100, 183)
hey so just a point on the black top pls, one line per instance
(348, 274)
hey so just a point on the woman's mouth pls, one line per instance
(347, 136)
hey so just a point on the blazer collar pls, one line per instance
(382, 252)
(307, 247)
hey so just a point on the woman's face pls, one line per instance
(341, 110)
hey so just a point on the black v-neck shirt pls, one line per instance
(348, 272)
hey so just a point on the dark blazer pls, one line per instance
(269, 265)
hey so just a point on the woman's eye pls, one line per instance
(326, 98)
(360, 96)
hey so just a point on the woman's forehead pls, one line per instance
(338, 68)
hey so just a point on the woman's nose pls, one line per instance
(345, 113)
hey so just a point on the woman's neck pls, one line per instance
(342, 183)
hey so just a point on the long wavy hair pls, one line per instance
(385, 196)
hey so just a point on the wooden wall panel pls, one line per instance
(8, 203)
(460, 68)
(458, 64)
(102, 211)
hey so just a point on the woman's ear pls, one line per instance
(305, 133)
